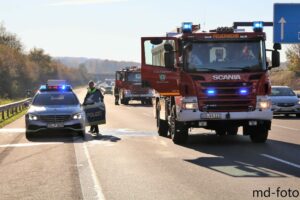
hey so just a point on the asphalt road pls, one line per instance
(130, 161)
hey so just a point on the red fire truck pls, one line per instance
(128, 87)
(217, 80)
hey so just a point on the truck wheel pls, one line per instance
(126, 101)
(298, 115)
(259, 134)
(220, 131)
(179, 132)
(232, 130)
(162, 125)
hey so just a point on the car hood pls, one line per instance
(54, 110)
(284, 99)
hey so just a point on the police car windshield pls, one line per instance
(225, 56)
(55, 99)
(134, 77)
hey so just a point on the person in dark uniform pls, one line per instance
(95, 95)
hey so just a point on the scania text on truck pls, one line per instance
(128, 87)
(217, 80)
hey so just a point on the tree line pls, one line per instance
(20, 71)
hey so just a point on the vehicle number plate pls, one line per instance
(55, 125)
(210, 116)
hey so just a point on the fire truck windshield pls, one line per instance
(225, 56)
(134, 77)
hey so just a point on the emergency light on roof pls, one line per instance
(61, 88)
(187, 27)
(258, 26)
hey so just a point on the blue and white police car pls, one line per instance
(55, 107)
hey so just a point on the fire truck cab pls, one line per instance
(128, 86)
(217, 80)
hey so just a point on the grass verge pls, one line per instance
(12, 119)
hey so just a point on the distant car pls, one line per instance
(55, 108)
(285, 101)
(107, 90)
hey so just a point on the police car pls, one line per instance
(55, 107)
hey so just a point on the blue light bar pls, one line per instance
(244, 91)
(63, 87)
(43, 87)
(258, 26)
(211, 92)
(187, 27)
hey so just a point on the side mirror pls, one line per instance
(275, 59)
(169, 59)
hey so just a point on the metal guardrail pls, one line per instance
(9, 110)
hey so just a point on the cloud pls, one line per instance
(84, 2)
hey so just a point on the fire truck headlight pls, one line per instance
(263, 103)
(189, 103)
(190, 106)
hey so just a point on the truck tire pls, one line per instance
(220, 131)
(126, 101)
(298, 115)
(149, 102)
(232, 130)
(179, 132)
(259, 134)
(162, 125)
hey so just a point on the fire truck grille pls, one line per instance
(139, 92)
(55, 118)
(227, 97)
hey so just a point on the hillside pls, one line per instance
(96, 66)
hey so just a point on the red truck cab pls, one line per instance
(128, 87)
(216, 80)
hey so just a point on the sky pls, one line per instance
(111, 29)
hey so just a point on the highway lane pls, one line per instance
(130, 161)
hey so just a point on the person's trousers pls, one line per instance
(94, 129)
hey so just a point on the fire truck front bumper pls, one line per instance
(196, 115)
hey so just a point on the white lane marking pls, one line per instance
(280, 160)
(89, 183)
(12, 130)
(28, 144)
(164, 143)
(147, 114)
(293, 129)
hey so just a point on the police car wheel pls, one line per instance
(298, 115)
(81, 133)
(29, 135)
